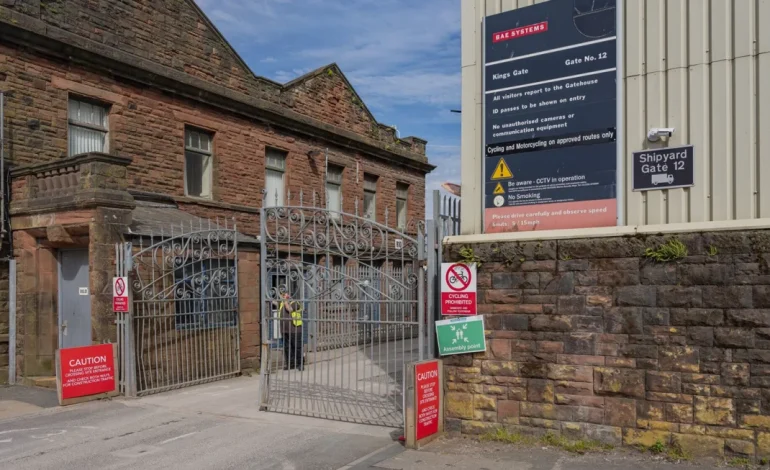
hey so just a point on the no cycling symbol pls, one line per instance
(120, 287)
(458, 277)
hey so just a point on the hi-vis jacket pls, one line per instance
(291, 313)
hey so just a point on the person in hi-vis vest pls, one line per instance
(291, 326)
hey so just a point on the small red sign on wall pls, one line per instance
(88, 370)
(427, 385)
(120, 294)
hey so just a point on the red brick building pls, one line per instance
(119, 111)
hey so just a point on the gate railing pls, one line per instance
(360, 285)
(183, 328)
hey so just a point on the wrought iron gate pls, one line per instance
(183, 326)
(361, 288)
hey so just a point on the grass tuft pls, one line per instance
(677, 453)
(672, 250)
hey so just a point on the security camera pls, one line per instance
(654, 134)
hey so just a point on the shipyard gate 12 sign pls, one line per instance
(550, 119)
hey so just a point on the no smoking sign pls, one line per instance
(120, 294)
(458, 289)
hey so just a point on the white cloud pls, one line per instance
(283, 76)
(446, 157)
(402, 50)
(402, 56)
(432, 88)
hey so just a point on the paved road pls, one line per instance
(214, 426)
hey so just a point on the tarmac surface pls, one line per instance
(218, 426)
(213, 426)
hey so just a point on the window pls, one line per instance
(275, 162)
(202, 304)
(334, 190)
(370, 196)
(197, 156)
(402, 194)
(88, 127)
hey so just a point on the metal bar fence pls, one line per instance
(183, 328)
(359, 287)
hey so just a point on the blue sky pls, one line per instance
(402, 56)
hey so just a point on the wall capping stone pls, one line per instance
(604, 232)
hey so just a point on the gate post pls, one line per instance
(126, 344)
(432, 273)
(264, 359)
(421, 268)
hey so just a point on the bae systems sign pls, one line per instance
(550, 120)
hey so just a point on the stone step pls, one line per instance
(42, 382)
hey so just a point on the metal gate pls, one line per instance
(361, 287)
(183, 327)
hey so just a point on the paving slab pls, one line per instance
(465, 453)
(16, 400)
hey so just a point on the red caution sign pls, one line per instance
(458, 289)
(427, 405)
(85, 371)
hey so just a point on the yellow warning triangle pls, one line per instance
(499, 189)
(502, 171)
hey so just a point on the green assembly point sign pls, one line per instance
(461, 335)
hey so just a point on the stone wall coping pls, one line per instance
(606, 232)
(71, 161)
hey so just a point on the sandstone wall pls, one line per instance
(590, 337)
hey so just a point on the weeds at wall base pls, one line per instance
(739, 462)
(580, 446)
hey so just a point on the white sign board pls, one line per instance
(458, 288)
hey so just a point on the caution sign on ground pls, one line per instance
(499, 189)
(502, 172)
(458, 289)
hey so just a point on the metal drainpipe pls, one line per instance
(12, 321)
(2, 165)
(10, 260)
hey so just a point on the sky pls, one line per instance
(401, 56)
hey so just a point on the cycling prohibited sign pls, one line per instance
(458, 289)
(120, 294)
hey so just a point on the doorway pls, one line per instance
(74, 299)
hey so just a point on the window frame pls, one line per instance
(270, 202)
(71, 122)
(400, 186)
(375, 179)
(334, 211)
(208, 154)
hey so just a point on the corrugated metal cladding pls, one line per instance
(701, 66)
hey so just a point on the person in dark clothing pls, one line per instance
(291, 325)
